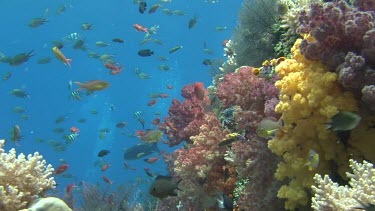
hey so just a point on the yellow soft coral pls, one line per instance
(309, 97)
(22, 179)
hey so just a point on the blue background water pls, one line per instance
(48, 84)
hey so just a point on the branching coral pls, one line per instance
(309, 96)
(330, 196)
(22, 179)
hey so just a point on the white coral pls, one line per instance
(290, 19)
(330, 196)
(22, 179)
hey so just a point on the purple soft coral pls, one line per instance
(337, 28)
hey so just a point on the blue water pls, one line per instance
(47, 84)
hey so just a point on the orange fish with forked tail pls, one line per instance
(61, 56)
(140, 28)
(201, 92)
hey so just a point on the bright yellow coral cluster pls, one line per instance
(22, 179)
(309, 96)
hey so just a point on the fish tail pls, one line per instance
(81, 85)
(155, 147)
(178, 182)
(68, 63)
(328, 126)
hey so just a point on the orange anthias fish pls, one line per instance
(93, 85)
(163, 95)
(156, 121)
(69, 187)
(151, 159)
(139, 133)
(61, 56)
(61, 168)
(200, 92)
(105, 167)
(105, 179)
(113, 69)
(140, 28)
(74, 130)
(151, 102)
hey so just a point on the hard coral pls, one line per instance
(330, 196)
(22, 179)
(49, 204)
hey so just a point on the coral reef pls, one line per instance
(184, 119)
(256, 164)
(22, 179)
(338, 28)
(126, 197)
(244, 89)
(200, 157)
(253, 97)
(342, 37)
(201, 166)
(309, 96)
(228, 66)
(49, 204)
(330, 196)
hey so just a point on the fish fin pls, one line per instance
(284, 129)
(163, 177)
(178, 182)
(280, 122)
(328, 126)
(155, 147)
(81, 85)
(272, 133)
(68, 63)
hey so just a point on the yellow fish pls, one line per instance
(61, 56)
(312, 160)
(268, 127)
(93, 85)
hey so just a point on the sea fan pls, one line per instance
(255, 35)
